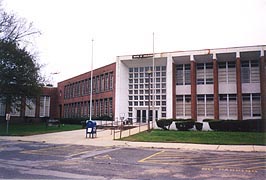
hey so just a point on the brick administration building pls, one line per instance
(225, 83)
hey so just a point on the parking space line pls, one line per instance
(222, 162)
(155, 154)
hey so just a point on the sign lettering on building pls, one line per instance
(140, 56)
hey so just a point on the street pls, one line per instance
(35, 160)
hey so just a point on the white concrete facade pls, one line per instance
(173, 86)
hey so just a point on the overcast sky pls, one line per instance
(124, 27)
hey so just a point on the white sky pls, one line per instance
(124, 27)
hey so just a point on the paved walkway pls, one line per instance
(105, 138)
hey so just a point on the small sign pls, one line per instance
(8, 117)
(140, 56)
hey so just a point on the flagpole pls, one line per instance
(91, 77)
(153, 88)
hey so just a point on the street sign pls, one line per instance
(8, 117)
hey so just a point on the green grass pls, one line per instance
(201, 137)
(34, 128)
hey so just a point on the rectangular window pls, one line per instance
(246, 105)
(187, 74)
(256, 105)
(209, 73)
(222, 72)
(179, 74)
(102, 83)
(254, 72)
(231, 72)
(223, 105)
(44, 106)
(204, 73)
(183, 74)
(245, 72)
(179, 105)
(2, 106)
(30, 108)
(232, 107)
(111, 80)
(187, 105)
(209, 105)
(200, 73)
(200, 105)
(106, 82)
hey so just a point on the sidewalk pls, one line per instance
(105, 138)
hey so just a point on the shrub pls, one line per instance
(184, 125)
(72, 120)
(199, 126)
(164, 123)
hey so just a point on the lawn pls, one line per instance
(34, 128)
(201, 137)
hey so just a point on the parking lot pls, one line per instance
(37, 160)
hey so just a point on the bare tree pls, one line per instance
(14, 29)
(19, 71)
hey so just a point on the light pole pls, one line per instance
(91, 77)
(149, 99)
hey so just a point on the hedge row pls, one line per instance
(81, 120)
(251, 125)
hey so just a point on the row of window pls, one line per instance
(146, 69)
(101, 83)
(139, 83)
(251, 105)
(101, 107)
(226, 72)
(30, 109)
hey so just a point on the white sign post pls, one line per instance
(7, 122)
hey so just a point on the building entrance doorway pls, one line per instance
(142, 115)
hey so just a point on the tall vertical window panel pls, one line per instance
(246, 105)
(232, 105)
(187, 74)
(256, 105)
(227, 105)
(102, 83)
(110, 107)
(223, 107)
(106, 82)
(222, 72)
(44, 106)
(231, 72)
(254, 71)
(205, 105)
(2, 106)
(250, 71)
(209, 105)
(179, 74)
(183, 74)
(245, 72)
(201, 105)
(187, 105)
(209, 73)
(200, 73)
(105, 106)
(96, 112)
(111, 80)
(30, 107)
(179, 105)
